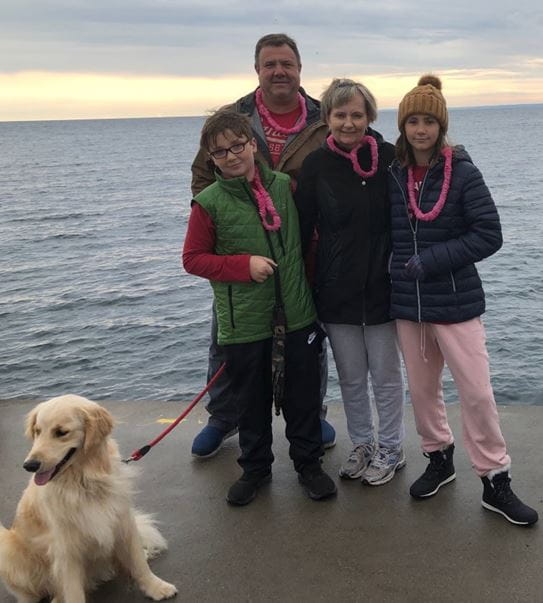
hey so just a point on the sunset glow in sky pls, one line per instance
(94, 59)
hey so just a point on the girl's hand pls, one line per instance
(261, 268)
(414, 268)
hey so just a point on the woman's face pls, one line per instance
(422, 133)
(348, 122)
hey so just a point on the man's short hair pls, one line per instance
(222, 120)
(278, 39)
(341, 91)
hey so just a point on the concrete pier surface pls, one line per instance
(371, 544)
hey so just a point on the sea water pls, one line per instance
(93, 298)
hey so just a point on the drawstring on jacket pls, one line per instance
(423, 341)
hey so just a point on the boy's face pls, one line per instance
(239, 159)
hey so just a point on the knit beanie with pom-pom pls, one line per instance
(425, 98)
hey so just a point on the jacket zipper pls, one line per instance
(414, 232)
(300, 138)
(231, 306)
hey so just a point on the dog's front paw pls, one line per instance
(159, 589)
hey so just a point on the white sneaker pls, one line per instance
(357, 461)
(383, 466)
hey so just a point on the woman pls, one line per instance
(342, 193)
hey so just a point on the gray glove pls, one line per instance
(414, 268)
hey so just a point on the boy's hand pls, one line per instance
(261, 268)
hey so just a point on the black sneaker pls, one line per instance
(498, 497)
(439, 472)
(316, 482)
(244, 490)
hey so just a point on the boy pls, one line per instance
(243, 236)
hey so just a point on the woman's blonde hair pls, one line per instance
(343, 90)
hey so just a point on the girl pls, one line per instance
(342, 192)
(443, 221)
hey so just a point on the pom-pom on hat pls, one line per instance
(425, 98)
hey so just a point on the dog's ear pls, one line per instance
(30, 423)
(98, 425)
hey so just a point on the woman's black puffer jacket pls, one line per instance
(352, 218)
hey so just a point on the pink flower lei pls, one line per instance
(266, 208)
(436, 210)
(263, 111)
(353, 154)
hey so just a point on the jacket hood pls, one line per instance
(459, 154)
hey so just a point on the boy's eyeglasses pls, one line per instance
(235, 149)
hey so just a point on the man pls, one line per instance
(287, 127)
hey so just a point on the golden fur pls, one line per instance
(78, 527)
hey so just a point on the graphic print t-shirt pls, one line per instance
(276, 140)
(419, 173)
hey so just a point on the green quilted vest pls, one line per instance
(244, 310)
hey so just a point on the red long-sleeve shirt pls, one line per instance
(199, 255)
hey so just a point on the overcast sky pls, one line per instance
(93, 58)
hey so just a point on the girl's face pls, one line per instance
(422, 133)
(348, 123)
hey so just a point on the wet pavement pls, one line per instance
(368, 544)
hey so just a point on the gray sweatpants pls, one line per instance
(359, 352)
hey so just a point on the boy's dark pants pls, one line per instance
(221, 405)
(249, 369)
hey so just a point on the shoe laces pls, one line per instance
(502, 489)
(437, 461)
(381, 459)
(361, 450)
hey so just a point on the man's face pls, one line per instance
(278, 73)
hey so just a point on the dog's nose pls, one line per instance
(32, 465)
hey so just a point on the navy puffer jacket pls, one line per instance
(466, 231)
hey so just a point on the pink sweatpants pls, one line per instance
(425, 348)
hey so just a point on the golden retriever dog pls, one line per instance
(75, 525)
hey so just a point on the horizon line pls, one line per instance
(384, 110)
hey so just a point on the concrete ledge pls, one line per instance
(369, 544)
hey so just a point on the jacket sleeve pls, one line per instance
(199, 255)
(482, 236)
(305, 198)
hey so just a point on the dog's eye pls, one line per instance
(37, 431)
(59, 433)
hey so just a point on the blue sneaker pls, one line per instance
(209, 441)
(328, 434)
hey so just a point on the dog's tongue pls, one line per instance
(40, 479)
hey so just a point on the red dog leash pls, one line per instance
(141, 452)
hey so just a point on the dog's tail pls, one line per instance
(153, 541)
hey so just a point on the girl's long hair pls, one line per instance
(404, 152)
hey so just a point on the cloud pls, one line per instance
(188, 38)
(197, 53)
